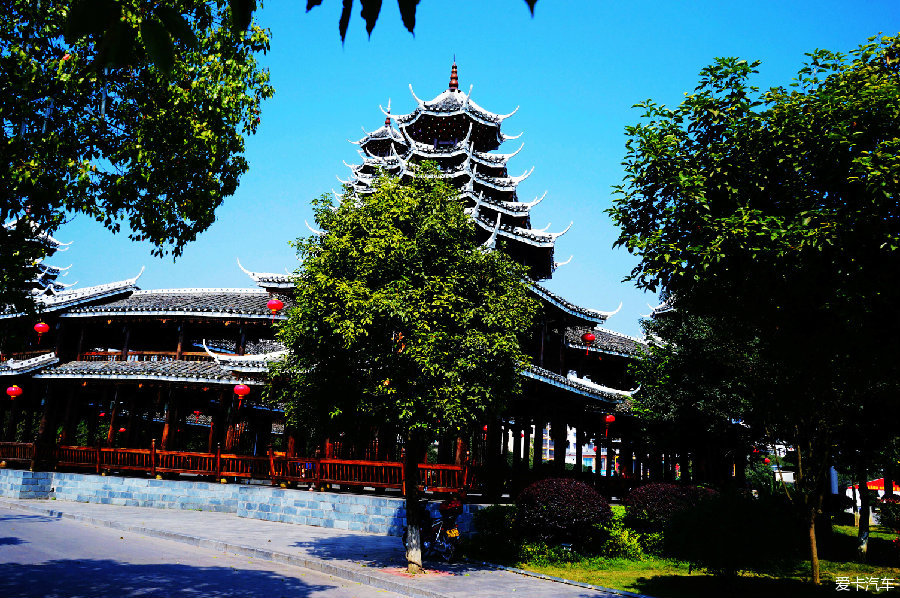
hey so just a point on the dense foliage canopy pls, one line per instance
(399, 316)
(102, 129)
(771, 222)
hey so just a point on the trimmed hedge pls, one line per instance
(649, 507)
(559, 510)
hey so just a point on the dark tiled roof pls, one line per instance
(15, 367)
(187, 371)
(537, 373)
(209, 302)
(606, 341)
(592, 315)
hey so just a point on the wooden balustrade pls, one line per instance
(376, 474)
(143, 356)
(275, 467)
(17, 453)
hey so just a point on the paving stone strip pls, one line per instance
(361, 557)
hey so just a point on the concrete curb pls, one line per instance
(342, 572)
(570, 582)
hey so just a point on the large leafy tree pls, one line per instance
(778, 211)
(401, 318)
(130, 112)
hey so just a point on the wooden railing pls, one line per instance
(276, 467)
(17, 453)
(144, 356)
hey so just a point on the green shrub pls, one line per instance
(729, 533)
(649, 507)
(652, 542)
(559, 510)
(621, 542)
(889, 509)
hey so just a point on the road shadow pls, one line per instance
(11, 541)
(97, 578)
(29, 518)
(380, 554)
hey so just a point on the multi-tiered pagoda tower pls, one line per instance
(461, 138)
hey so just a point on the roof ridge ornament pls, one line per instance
(454, 77)
(468, 95)
(387, 117)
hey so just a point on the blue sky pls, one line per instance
(575, 70)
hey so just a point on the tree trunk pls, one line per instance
(865, 506)
(813, 550)
(411, 489)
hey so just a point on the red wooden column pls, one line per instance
(111, 431)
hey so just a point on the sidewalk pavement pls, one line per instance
(366, 558)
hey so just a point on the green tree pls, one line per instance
(401, 317)
(778, 211)
(93, 128)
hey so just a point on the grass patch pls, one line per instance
(665, 578)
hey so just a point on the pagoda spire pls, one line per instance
(454, 78)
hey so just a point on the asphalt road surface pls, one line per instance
(54, 558)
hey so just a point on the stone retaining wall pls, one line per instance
(16, 483)
(354, 512)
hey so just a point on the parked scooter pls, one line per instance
(440, 537)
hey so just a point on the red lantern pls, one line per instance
(241, 390)
(609, 418)
(196, 414)
(485, 428)
(588, 339)
(766, 461)
(121, 430)
(13, 392)
(274, 306)
(41, 328)
(102, 414)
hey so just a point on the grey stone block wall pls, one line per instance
(352, 512)
(138, 492)
(16, 483)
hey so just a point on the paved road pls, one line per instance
(55, 558)
(371, 559)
